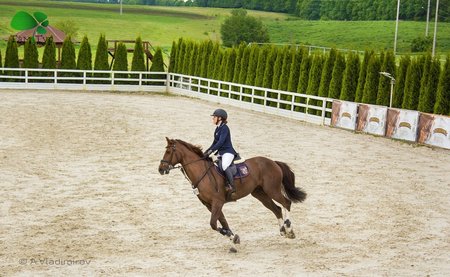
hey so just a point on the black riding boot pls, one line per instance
(230, 180)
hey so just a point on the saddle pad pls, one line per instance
(241, 171)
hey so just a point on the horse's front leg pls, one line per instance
(217, 214)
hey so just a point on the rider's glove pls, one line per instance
(207, 153)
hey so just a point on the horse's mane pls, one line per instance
(196, 149)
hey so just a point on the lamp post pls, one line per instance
(428, 18)
(121, 6)
(386, 74)
(396, 27)
(435, 28)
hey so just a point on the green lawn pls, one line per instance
(162, 25)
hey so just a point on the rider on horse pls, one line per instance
(222, 144)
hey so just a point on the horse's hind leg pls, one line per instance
(285, 222)
(259, 194)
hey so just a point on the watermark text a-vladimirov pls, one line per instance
(54, 262)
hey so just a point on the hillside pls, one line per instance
(162, 25)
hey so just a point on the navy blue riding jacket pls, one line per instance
(222, 140)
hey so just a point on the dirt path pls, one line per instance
(79, 185)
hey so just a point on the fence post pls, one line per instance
(26, 76)
(168, 82)
(324, 106)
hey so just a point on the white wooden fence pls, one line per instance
(293, 105)
(96, 80)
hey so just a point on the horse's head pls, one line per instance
(170, 158)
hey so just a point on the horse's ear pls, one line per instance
(168, 140)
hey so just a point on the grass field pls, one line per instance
(162, 25)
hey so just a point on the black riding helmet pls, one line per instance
(220, 113)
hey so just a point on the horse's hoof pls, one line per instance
(283, 231)
(290, 235)
(233, 250)
(236, 239)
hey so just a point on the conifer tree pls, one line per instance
(30, 54)
(138, 60)
(314, 80)
(286, 67)
(193, 54)
(180, 56)
(49, 57)
(84, 61)
(173, 57)
(268, 70)
(237, 66)
(424, 81)
(303, 79)
(206, 59)
(201, 50)
(157, 66)
(252, 65)
(304, 73)
(261, 66)
(294, 71)
(187, 56)
(68, 59)
(101, 54)
(362, 76)
(68, 54)
(327, 72)
(11, 56)
(217, 65)
(244, 66)
(336, 77)
(428, 99)
(121, 63)
(278, 67)
(229, 71)
(442, 105)
(399, 88)
(350, 80)
(372, 79)
(384, 84)
(212, 60)
(412, 85)
(101, 59)
(224, 66)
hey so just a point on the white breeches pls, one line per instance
(227, 159)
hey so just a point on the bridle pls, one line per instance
(181, 167)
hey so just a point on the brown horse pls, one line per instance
(268, 181)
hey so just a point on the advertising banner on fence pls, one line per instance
(344, 114)
(434, 130)
(372, 119)
(402, 124)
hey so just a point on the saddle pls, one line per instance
(240, 169)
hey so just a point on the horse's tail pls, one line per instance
(294, 193)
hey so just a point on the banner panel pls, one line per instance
(402, 124)
(372, 119)
(434, 130)
(344, 114)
